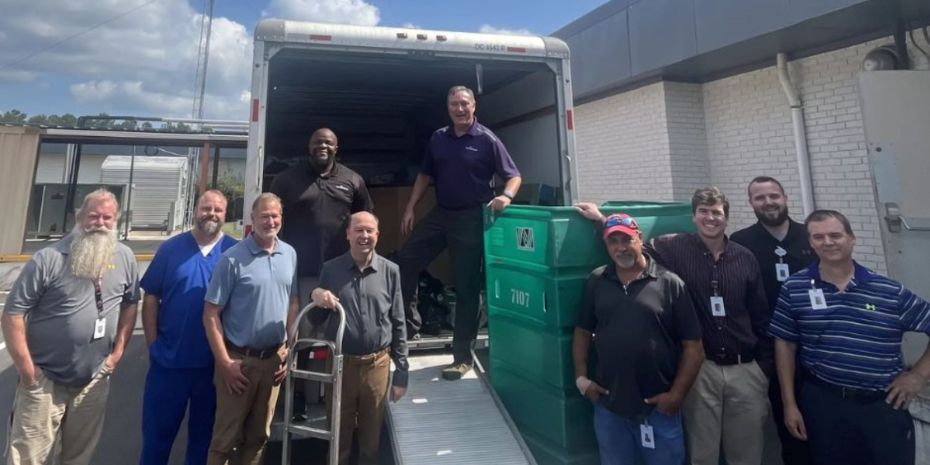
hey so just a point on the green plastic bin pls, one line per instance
(559, 237)
(532, 351)
(533, 294)
(563, 419)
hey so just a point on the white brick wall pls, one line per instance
(666, 139)
(687, 138)
(622, 147)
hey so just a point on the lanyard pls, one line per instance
(98, 296)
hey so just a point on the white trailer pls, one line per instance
(383, 92)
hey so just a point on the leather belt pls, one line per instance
(731, 359)
(250, 352)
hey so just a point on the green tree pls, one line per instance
(13, 117)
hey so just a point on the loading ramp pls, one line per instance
(441, 422)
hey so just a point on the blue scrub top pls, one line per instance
(179, 274)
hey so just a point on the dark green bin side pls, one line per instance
(534, 294)
(563, 419)
(532, 351)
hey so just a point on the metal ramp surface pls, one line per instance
(441, 422)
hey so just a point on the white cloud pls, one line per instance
(410, 26)
(489, 29)
(356, 12)
(141, 63)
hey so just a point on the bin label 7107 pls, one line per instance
(520, 298)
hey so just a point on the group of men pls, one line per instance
(691, 329)
(218, 313)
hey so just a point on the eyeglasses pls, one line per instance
(617, 220)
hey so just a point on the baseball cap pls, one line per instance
(620, 222)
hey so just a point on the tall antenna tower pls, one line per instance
(203, 57)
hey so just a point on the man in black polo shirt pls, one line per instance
(781, 247)
(317, 197)
(649, 351)
(462, 160)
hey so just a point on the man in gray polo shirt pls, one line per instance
(254, 287)
(368, 287)
(66, 323)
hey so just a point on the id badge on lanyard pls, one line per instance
(100, 324)
(781, 268)
(716, 302)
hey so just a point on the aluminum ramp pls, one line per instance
(441, 422)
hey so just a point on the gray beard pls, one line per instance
(91, 252)
(209, 227)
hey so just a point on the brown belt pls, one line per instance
(250, 352)
(366, 356)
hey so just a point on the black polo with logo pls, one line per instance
(638, 331)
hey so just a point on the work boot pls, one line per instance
(456, 371)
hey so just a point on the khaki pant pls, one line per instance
(243, 421)
(364, 390)
(728, 404)
(58, 424)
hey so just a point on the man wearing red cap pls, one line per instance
(649, 346)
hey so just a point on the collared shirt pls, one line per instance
(764, 246)
(61, 310)
(374, 309)
(736, 278)
(316, 210)
(638, 332)
(254, 288)
(462, 167)
(178, 276)
(856, 340)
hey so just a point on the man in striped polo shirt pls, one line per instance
(848, 322)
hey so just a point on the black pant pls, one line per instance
(462, 231)
(793, 450)
(855, 432)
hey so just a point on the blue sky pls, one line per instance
(138, 57)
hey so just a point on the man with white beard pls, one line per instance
(180, 373)
(66, 324)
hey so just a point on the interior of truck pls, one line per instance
(384, 107)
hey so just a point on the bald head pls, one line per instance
(362, 234)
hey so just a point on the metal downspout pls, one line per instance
(800, 137)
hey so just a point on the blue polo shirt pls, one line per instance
(254, 288)
(179, 275)
(856, 340)
(462, 167)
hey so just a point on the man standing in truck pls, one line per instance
(461, 159)
(318, 196)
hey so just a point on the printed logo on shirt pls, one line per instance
(470, 148)
(341, 187)
(870, 307)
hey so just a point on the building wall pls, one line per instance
(622, 147)
(727, 131)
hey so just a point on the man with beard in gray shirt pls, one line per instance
(66, 323)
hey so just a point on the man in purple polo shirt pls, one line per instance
(461, 159)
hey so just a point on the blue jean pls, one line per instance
(168, 392)
(619, 441)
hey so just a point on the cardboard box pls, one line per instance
(389, 208)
